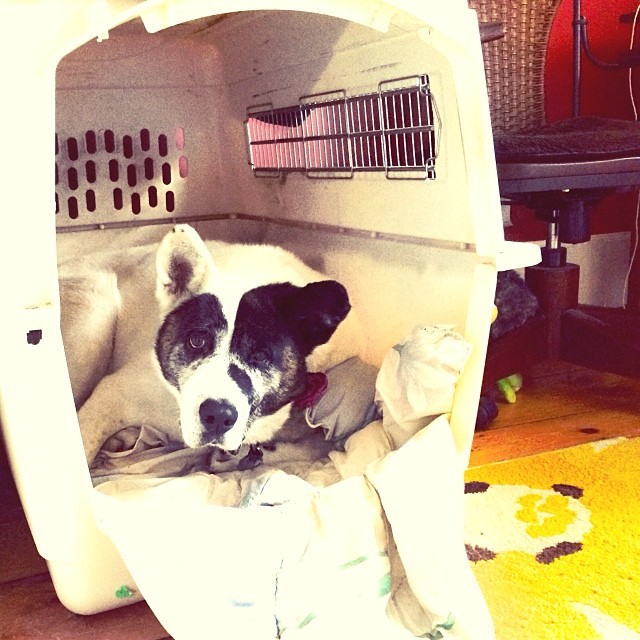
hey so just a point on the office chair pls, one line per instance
(559, 171)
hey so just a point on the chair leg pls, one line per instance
(633, 293)
(557, 291)
(598, 338)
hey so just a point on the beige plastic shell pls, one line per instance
(72, 68)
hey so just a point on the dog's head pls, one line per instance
(235, 359)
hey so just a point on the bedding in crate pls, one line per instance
(353, 532)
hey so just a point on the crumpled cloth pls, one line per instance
(378, 556)
(418, 377)
(365, 543)
(348, 404)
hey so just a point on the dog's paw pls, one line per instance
(245, 458)
(252, 459)
(183, 266)
(123, 440)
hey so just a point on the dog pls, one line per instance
(211, 343)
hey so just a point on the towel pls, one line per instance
(364, 542)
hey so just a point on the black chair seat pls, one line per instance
(584, 153)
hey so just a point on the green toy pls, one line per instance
(509, 386)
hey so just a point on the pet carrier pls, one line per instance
(355, 133)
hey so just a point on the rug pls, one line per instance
(554, 541)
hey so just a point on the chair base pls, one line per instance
(603, 339)
(599, 338)
(557, 291)
(538, 340)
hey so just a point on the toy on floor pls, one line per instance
(505, 389)
(509, 386)
(487, 412)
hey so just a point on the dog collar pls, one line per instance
(315, 386)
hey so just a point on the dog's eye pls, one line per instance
(198, 340)
(261, 357)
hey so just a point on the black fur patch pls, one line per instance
(188, 334)
(277, 326)
(180, 274)
(242, 379)
(264, 343)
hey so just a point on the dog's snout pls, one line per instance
(217, 416)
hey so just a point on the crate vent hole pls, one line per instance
(99, 172)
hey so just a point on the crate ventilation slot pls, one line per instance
(395, 130)
(101, 171)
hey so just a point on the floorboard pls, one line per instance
(506, 443)
(557, 409)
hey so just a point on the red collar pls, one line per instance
(314, 388)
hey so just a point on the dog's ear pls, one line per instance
(316, 310)
(184, 267)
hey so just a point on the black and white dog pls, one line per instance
(209, 342)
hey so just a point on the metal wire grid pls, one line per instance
(395, 130)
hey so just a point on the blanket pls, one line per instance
(364, 541)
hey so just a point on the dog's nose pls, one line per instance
(217, 416)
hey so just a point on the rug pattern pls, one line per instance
(554, 541)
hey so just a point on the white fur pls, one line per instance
(197, 388)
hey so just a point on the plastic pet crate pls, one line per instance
(354, 132)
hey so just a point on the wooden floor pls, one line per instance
(552, 411)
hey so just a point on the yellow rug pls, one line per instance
(554, 541)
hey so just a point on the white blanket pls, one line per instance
(378, 555)
(366, 543)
